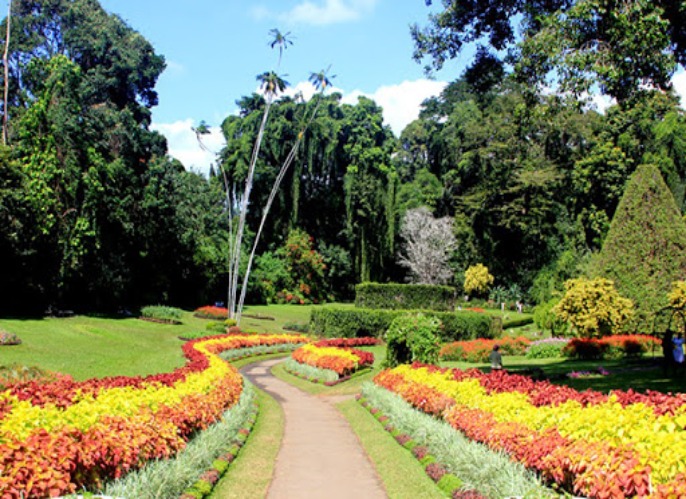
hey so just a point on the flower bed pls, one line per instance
(617, 445)
(611, 347)
(58, 436)
(478, 350)
(342, 361)
(211, 312)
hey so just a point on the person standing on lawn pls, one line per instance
(678, 342)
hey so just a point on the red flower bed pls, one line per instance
(478, 350)
(348, 342)
(610, 346)
(211, 312)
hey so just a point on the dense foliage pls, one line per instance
(412, 338)
(404, 296)
(593, 307)
(644, 250)
(350, 323)
(95, 215)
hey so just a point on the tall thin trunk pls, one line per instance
(233, 287)
(275, 188)
(5, 62)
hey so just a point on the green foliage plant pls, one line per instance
(404, 296)
(491, 473)
(477, 279)
(311, 373)
(677, 295)
(547, 320)
(412, 338)
(643, 252)
(162, 313)
(593, 307)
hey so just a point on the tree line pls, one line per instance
(94, 215)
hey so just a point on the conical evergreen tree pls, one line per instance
(645, 248)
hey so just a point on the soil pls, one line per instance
(320, 456)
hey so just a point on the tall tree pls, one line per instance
(645, 249)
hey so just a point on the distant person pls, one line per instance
(668, 351)
(520, 306)
(496, 359)
(678, 342)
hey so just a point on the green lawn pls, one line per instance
(95, 347)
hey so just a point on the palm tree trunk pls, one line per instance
(5, 61)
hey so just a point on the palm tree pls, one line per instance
(279, 40)
(272, 84)
(5, 61)
(320, 81)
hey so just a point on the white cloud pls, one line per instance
(401, 103)
(183, 144)
(320, 13)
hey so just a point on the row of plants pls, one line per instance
(58, 435)
(618, 445)
(343, 361)
(481, 472)
(336, 322)
(610, 347)
(162, 314)
(331, 361)
(404, 296)
(194, 470)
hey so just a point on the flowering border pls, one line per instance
(615, 445)
(59, 436)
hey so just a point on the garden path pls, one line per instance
(320, 457)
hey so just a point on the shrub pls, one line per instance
(517, 321)
(412, 338)
(216, 327)
(550, 348)
(546, 319)
(643, 252)
(677, 296)
(404, 296)
(593, 307)
(9, 338)
(611, 347)
(162, 313)
(477, 279)
(335, 322)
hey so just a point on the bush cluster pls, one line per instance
(162, 313)
(335, 322)
(9, 338)
(610, 347)
(395, 296)
(549, 348)
(412, 338)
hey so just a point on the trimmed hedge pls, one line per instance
(395, 296)
(517, 322)
(336, 322)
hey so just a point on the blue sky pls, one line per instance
(214, 49)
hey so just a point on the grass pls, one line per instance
(96, 347)
(251, 473)
(402, 475)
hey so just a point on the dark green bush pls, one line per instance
(404, 296)
(162, 313)
(336, 322)
(412, 338)
(517, 321)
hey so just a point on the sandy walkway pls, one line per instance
(320, 456)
